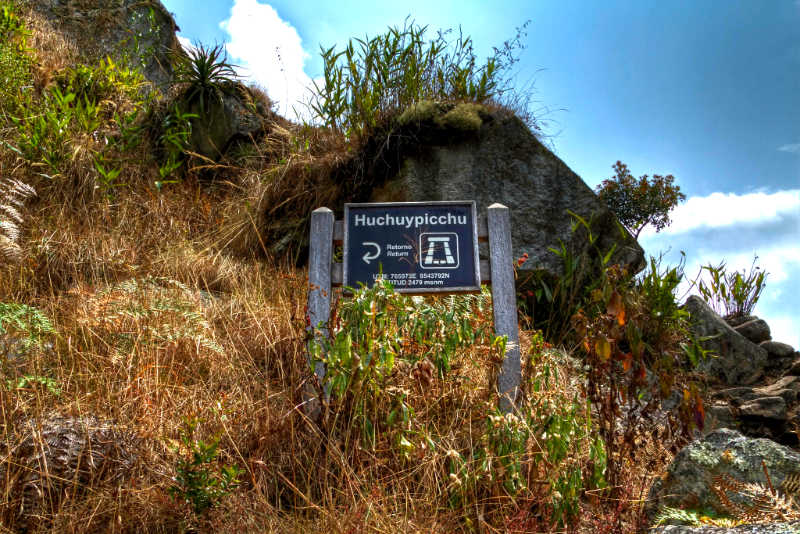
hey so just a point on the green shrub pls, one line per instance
(199, 480)
(16, 64)
(374, 77)
(206, 74)
(370, 333)
(640, 202)
(85, 113)
(23, 324)
(732, 294)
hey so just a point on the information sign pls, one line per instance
(420, 247)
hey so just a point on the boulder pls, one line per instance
(772, 408)
(722, 453)
(776, 349)
(238, 114)
(756, 330)
(63, 456)
(141, 32)
(736, 320)
(502, 161)
(780, 357)
(736, 360)
(765, 411)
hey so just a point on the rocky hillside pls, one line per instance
(155, 356)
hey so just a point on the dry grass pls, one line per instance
(166, 307)
(154, 325)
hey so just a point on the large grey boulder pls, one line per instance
(237, 114)
(736, 361)
(141, 32)
(502, 161)
(756, 330)
(687, 482)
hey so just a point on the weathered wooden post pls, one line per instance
(319, 292)
(504, 302)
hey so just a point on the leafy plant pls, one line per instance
(108, 176)
(23, 324)
(16, 64)
(557, 299)
(27, 381)
(373, 77)
(11, 26)
(176, 130)
(562, 428)
(732, 294)
(369, 333)
(675, 516)
(633, 360)
(199, 480)
(206, 73)
(640, 202)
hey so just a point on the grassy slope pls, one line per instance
(156, 321)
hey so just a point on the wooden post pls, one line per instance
(504, 303)
(319, 291)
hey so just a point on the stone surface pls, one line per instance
(787, 383)
(686, 483)
(238, 115)
(140, 31)
(765, 408)
(756, 330)
(63, 454)
(776, 349)
(503, 162)
(794, 369)
(719, 415)
(738, 361)
(736, 320)
(765, 411)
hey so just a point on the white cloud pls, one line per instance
(794, 148)
(784, 329)
(727, 209)
(270, 52)
(185, 43)
(733, 228)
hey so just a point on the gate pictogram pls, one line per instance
(438, 250)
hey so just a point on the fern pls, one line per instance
(22, 327)
(13, 195)
(154, 311)
(756, 502)
(676, 516)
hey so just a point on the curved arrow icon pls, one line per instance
(367, 257)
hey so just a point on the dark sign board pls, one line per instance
(420, 247)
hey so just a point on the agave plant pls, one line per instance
(207, 74)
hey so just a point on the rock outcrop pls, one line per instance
(238, 114)
(142, 32)
(502, 161)
(755, 388)
(688, 481)
(64, 454)
(735, 360)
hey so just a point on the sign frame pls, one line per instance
(473, 220)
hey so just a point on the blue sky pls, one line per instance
(706, 91)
